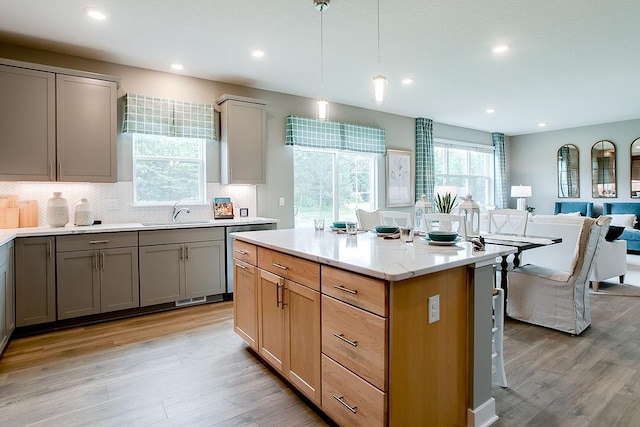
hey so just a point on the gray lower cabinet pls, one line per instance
(7, 300)
(181, 264)
(95, 275)
(35, 279)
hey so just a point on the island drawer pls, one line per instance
(348, 399)
(364, 292)
(290, 267)
(355, 338)
(246, 252)
(186, 235)
(89, 241)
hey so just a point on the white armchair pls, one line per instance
(610, 262)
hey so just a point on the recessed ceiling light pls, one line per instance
(490, 110)
(542, 124)
(501, 48)
(407, 81)
(257, 53)
(96, 14)
(177, 66)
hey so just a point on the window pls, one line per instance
(467, 166)
(332, 184)
(168, 169)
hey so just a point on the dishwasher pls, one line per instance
(229, 244)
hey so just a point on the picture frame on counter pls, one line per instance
(222, 208)
(244, 212)
(400, 178)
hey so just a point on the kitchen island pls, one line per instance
(372, 331)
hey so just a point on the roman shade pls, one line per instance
(314, 133)
(168, 117)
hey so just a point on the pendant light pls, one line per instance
(379, 81)
(322, 104)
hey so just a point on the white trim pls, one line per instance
(468, 145)
(482, 416)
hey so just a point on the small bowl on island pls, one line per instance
(442, 236)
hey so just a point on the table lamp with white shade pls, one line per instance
(521, 192)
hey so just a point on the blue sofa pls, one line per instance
(585, 208)
(631, 236)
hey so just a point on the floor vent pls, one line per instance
(191, 301)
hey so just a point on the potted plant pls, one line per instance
(445, 203)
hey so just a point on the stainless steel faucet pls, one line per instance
(176, 212)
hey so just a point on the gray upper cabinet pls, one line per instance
(243, 140)
(35, 277)
(58, 127)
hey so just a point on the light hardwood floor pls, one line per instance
(187, 368)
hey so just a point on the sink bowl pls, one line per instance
(187, 222)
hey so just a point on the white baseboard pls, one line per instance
(482, 416)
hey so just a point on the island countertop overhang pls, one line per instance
(366, 253)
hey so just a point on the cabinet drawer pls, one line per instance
(4, 254)
(293, 268)
(190, 235)
(364, 292)
(355, 338)
(246, 252)
(367, 406)
(81, 242)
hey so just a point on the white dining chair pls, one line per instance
(508, 221)
(368, 220)
(395, 218)
(445, 222)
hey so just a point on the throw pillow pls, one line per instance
(623, 220)
(613, 233)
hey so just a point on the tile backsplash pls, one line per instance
(112, 203)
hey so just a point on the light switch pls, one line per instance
(281, 201)
(434, 308)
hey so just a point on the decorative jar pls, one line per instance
(57, 210)
(84, 213)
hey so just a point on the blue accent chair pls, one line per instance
(585, 208)
(631, 236)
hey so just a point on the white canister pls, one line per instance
(57, 211)
(84, 213)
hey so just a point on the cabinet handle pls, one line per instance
(280, 295)
(51, 177)
(342, 288)
(95, 260)
(49, 249)
(341, 336)
(181, 257)
(280, 266)
(60, 170)
(103, 260)
(96, 242)
(241, 252)
(186, 252)
(230, 175)
(340, 399)
(241, 266)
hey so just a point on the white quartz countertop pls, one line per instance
(369, 254)
(9, 234)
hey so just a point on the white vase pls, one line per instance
(84, 213)
(57, 211)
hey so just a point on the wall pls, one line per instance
(532, 161)
(400, 131)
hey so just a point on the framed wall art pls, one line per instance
(400, 178)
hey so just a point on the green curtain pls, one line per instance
(425, 163)
(500, 170)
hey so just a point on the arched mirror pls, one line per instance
(603, 169)
(568, 171)
(635, 169)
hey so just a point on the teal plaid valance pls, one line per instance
(314, 133)
(168, 117)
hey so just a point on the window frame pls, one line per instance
(469, 147)
(201, 161)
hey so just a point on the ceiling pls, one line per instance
(570, 63)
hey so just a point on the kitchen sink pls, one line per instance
(187, 222)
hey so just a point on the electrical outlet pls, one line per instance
(281, 201)
(434, 308)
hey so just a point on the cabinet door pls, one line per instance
(119, 287)
(204, 268)
(302, 339)
(4, 335)
(78, 284)
(161, 274)
(27, 123)
(245, 302)
(271, 319)
(243, 146)
(35, 281)
(10, 303)
(86, 129)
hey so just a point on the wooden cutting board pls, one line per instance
(28, 213)
(9, 217)
(8, 201)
